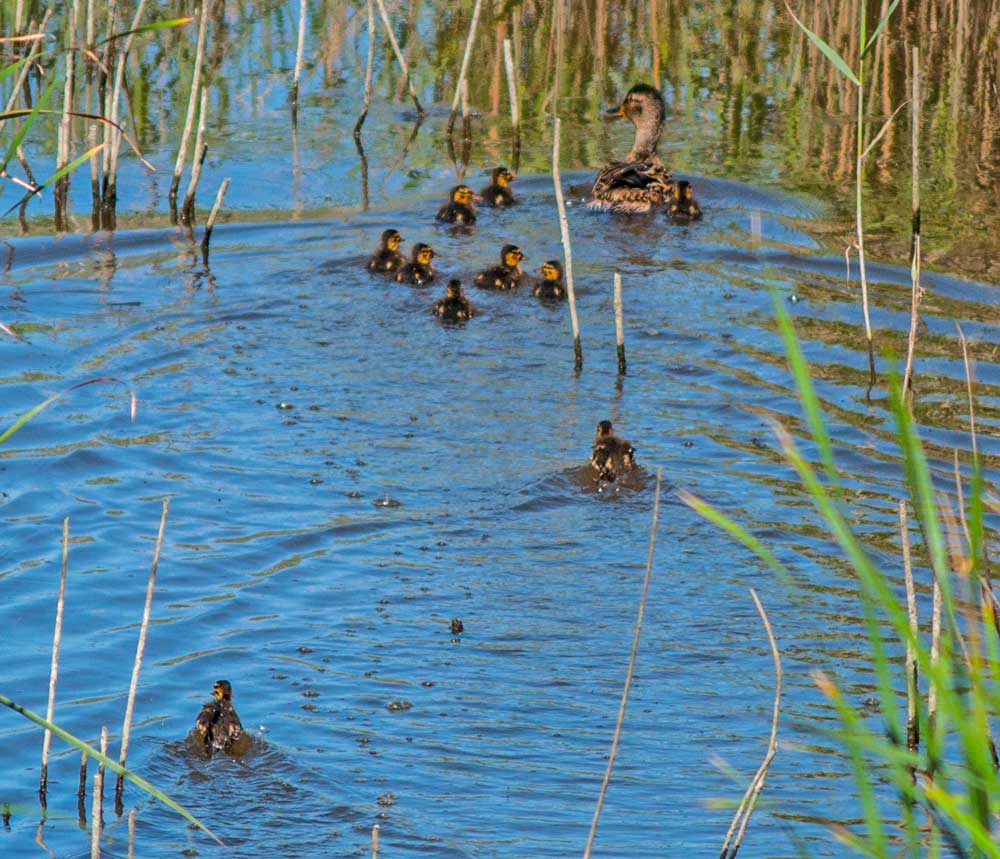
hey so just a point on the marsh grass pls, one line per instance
(944, 791)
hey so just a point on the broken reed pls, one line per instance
(619, 325)
(567, 249)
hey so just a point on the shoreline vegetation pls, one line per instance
(926, 779)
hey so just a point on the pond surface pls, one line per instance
(347, 475)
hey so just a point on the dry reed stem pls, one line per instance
(515, 109)
(116, 140)
(630, 670)
(131, 834)
(82, 790)
(299, 50)
(200, 149)
(210, 224)
(915, 296)
(96, 820)
(912, 690)
(749, 802)
(140, 649)
(192, 101)
(375, 841)
(54, 671)
(619, 324)
(368, 70)
(968, 387)
(465, 64)
(935, 651)
(62, 153)
(23, 72)
(567, 249)
(399, 57)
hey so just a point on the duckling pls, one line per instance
(419, 270)
(454, 306)
(459, 208)
(217, 725)
(387, 257)
(611, 455)
(641, 182)
(551, 285)
(508, 274)
(684, 207)
(498, 194)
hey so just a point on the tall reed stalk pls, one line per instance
(199, 58)
(567, 248)
(54, 671)
(470, 40)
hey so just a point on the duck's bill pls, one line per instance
(613, 113)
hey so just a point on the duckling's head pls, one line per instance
(462, 194)
(683, 191)
(391, 239)
(501, 176)
(222, 691)
(454, 288)
(422, 253)
(511, 256)
(604, 429)
(643, 107)
(551, 270)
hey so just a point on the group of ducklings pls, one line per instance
(388, 260)
(639, 184)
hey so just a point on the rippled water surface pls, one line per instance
(346, 476)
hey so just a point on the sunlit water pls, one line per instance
(346, 475)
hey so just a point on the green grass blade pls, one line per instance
(30, 121)
(27, 416)
(110, 764)
(8, 70)
(735, 530)
(880, 27)
(156, 25)
(828, 52)
(62, 171)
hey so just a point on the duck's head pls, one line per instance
(222, 691)
(422, 253)
(501, 176)
(454, 288)
(604, 429)
(391, 239)
(462, 194)
(551, 270)
(643, 107)
(511, 256)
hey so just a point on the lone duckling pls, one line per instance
(507, 275)
(454, 306)
(459, 208)
(641, 182)
(387, 257)
(217, 726)
(684, 207)
(419, 270)
(498, 193)
(611, 455)
(550, 287)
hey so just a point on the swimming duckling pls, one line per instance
(387, 257)
(454, 306)
(641, 182)
(419, 270)
(551, 285)
(217, 725)
(459, 208)
(611, 455)
(498, 194)
(684, 207)
(508, 274)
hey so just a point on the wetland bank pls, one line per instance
(280, 573)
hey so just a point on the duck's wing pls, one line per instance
(206, 719)
(632, 186)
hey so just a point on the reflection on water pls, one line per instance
(287, 397)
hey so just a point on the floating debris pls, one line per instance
(398, 706)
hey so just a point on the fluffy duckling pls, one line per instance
(217, 725)
(684, 207)
(611, 456)
(498, 193)
(454, 306)
(641, 182)
(419, 270)
(387, 257)
(459, 208)
(507, 275)
(550, 287)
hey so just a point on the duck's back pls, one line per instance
(632, 186)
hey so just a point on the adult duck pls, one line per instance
(641, 182)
